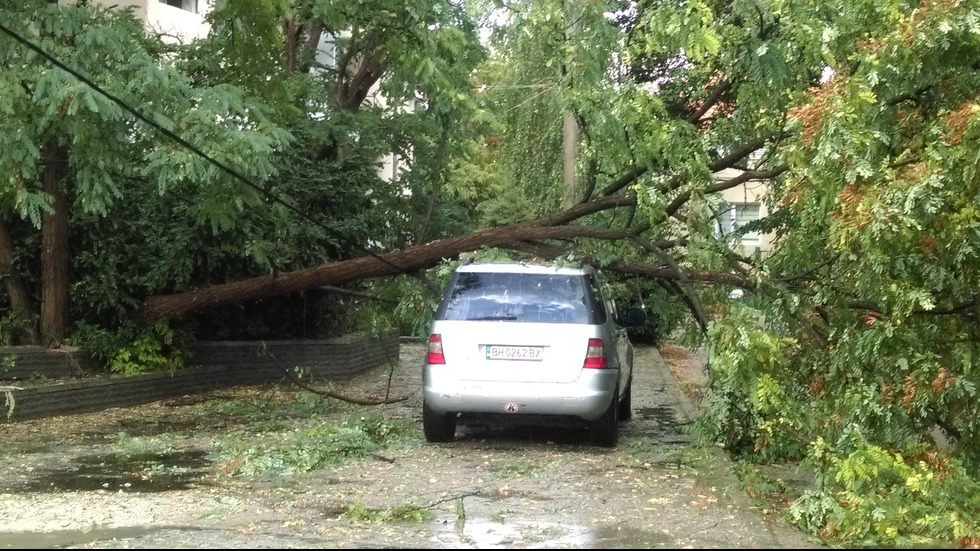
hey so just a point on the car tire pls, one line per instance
(605, 430)
(626, 404)
(438, 427)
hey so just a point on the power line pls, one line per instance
(194, 149)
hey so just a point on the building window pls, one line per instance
(189, 5)
(326, 53)
(737, 215)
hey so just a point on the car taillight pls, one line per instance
(435, 350)
(595, 357)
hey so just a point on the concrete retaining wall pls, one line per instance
(75, 388)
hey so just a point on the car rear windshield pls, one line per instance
(541, 298)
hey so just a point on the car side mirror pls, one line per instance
(634, 317)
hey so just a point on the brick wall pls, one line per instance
(73, 385)
(25, 362)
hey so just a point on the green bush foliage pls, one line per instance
(132, 350)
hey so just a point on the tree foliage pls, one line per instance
(75, 80)
(870, 310)
(855, 348)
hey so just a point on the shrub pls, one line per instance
(131, 351)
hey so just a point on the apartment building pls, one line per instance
(742, 204)
(175, 20)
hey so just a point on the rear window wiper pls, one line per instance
(494, 318)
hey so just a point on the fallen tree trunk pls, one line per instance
(525, 236)
(405, 261)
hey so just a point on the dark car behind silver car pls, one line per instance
(527, 343)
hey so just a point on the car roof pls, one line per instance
(518, 267)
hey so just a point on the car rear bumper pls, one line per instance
(587, 397)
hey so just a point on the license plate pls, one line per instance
(529, 353)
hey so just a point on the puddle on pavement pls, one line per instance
(153, 427)
(498, 534)
(666, 427)
(662, 415)
(66, 538)
(614, 537)
(494, 534)
(482, 528)
(147, 472)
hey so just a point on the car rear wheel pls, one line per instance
(605, 430)
(438, 427)
(626, 405)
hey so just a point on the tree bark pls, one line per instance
(20, 299)
(302, 39)
(368, 67)
(570, 153)
(54, 248)
(407, 260)
(570, 127)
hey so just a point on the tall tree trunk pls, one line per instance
(367, 67)
(408, 260)
(570, 152)
(570, 127)
(54, 248)
(302, 40)
(436, 177)
(20, 299)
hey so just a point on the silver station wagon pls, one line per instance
(525, 343)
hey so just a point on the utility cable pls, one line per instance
(197, 151)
